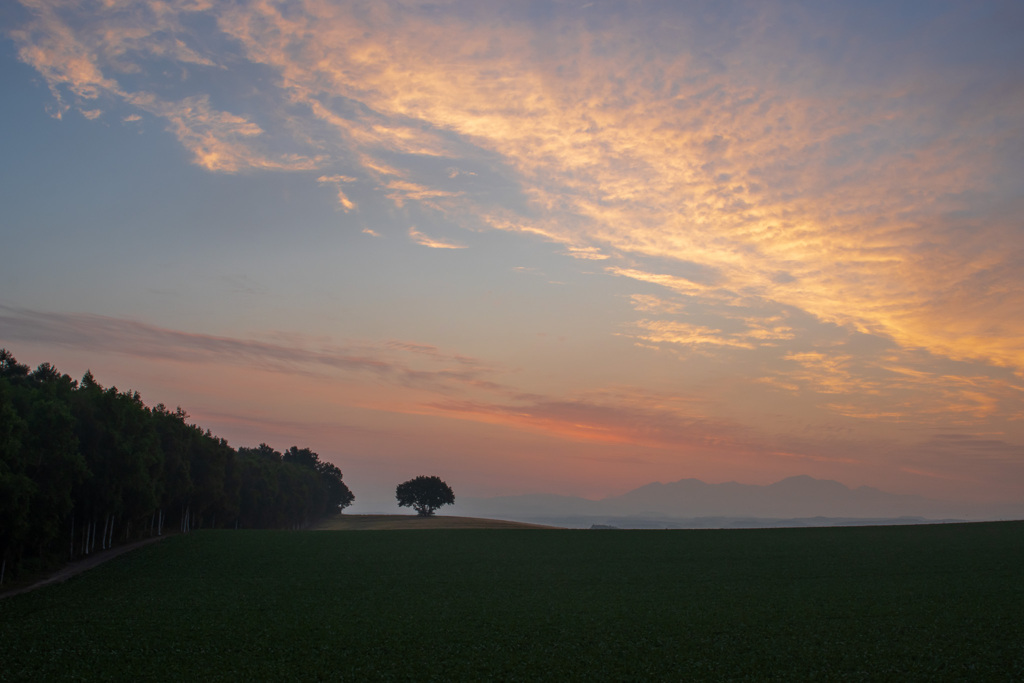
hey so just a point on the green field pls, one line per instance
(872, 603)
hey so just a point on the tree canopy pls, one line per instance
(80, 464)
(424, 495)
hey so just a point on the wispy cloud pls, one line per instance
(616, 421)
(218, 140)
(859, 204)
(901, 387)
(419, 238)
(106, 334)
(870, 196)
(686, 334)
(337, 180)
(77, 57)
(677, 284)
(836, 213)
(456, 384)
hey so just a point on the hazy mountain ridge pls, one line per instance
(795, 501)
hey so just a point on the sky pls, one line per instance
(534, 247)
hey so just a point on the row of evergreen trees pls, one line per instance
(82, 466)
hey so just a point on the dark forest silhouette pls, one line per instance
(82, 467)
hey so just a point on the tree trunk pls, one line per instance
(71, 553)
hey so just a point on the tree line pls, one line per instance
(82, 466)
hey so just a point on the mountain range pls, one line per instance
(799, 500)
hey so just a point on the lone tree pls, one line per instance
(424, 495)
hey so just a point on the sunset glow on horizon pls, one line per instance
(564, 247)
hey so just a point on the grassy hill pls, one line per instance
(395, 522)
(936, 602)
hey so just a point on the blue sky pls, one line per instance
(561, 247)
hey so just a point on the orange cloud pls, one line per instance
(714, 181)
(749, 209)
(346, 203)
(419, 238)
(892, 389)
(834, 201)
(664, 331)
(77, 59)
(616, 422)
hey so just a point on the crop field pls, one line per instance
(940, 602)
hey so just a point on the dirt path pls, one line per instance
(79, 566)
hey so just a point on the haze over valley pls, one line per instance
(691, 503)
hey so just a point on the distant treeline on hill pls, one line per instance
(82, 466)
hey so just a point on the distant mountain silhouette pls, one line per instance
(796, 499)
